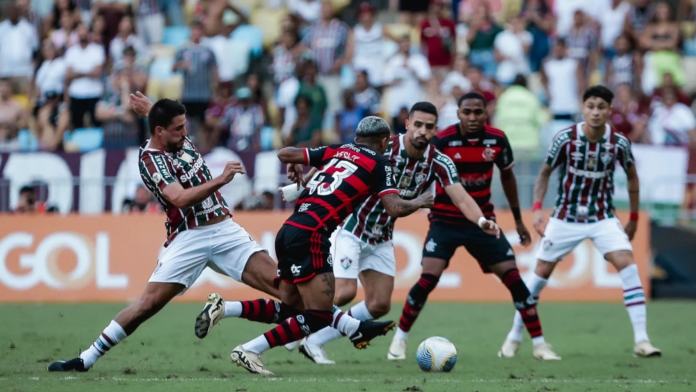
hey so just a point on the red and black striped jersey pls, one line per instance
(474, 156)
(348, 174)
(187, 167)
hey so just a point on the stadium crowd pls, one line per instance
(260, 74)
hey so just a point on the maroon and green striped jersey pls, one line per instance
(586, 173)
(348, 174)
(370, 222)
(160, 168)
(474, 155)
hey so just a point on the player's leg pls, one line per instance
(180, 264)
(612, 241)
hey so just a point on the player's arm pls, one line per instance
(140, 103)
(398, 207)
(625, 158)
(505, 162)
(540, 187)
(467, 205)
(295, 158)
(185, 198)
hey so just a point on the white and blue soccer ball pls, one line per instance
(436, 354)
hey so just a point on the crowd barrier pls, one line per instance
(109, 258)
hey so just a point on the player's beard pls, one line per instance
(419, 143)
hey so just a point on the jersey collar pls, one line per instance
(607, 130)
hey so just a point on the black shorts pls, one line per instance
(420, 6)
(443, 240)
(302, 253)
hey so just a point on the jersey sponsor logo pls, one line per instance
(490, 141)
(347, 155)
(391, 177)
(161, 165)
(510, 252)
(457, 156)
(488, 154)
(448, 162)
(455, 143)
(588, 174)
(295, 270)
(207, 203)
(208, 210)
(406, 194)
(576, 156)
(431, 245)
(186, 158)
(606, 157)
(193, 171)
(346, 263)
(474, 179)
(157, 178)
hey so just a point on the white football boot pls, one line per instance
(293, 345)
(212, 313)
(248, 360)
(315, 353)
(509, 348)
(646, 349)
(543, 351)
(397, 350)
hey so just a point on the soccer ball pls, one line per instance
(436, 354)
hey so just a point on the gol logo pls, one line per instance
(92, 261)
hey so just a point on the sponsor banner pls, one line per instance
(110, 258)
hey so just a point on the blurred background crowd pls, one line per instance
(256, 75)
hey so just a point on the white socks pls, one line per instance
(358, 312)
(108, 338)
(535, 285)
(634, 299)
(233, 309)
(400, 334)
(258, 345)
(344, 323)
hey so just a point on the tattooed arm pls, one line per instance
(398, 207)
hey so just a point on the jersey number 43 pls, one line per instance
(330, 177)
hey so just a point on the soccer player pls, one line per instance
(586, 154)
(363, 247)
(200, 232)
(475, 148)
(347, 174)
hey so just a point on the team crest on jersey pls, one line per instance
(346, 262)
(606, 157)
(330, 260)
(547, 244)
(420, 177)
(489, 154)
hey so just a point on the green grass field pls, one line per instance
(595, 341)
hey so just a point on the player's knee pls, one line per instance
(544, 269)
(378, 308)
(621, 259)
(345, 292)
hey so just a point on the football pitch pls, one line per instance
(595, 341)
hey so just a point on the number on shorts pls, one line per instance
(319, 182)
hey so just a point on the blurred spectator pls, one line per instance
(399, 122)
(112, 11)
(511, 47)
(221, 102)
(405, 73)
(541, 24)
(28, 202)
(83, 10)
(26, 12)
(84, 67)
(310, 88)
(66, 36)
(127, 37)
(671, 122)
(50, 75)
(149, 21)
(136, 75)
(200, 76)
(255, 84)
(612, 24)
(99, 30)
(284, 58)
(18, 40)
(438, 38)
(257, 202)
(466, 9)
(330, 42)
(565, 12)
(308, 10)
(455, 78)
(448, 113)
(243, 121)
(143, 202)
(668, 83)
(285, 99)
(481, 35)
(562, 78)
(367, 97)
(413, 12)
(520, 114)
(348, 118)
(217, 40)
(625, 66)
(483, 86)
(306, 131)
(434, 94)
(661, 40)
(369, 35)
(583, 45)
(60, 7)
(52, 120)
(639, 15)
(118, 120)
(13, 116)
(626, 115)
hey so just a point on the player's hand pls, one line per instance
(630, 229)
(280, 190)
(491, 228)
(140, 103)
(426, 199)
(525, 236)
(539, 222)
(295, 174)
(231, 169)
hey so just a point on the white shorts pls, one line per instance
(561, 237)
(225, 247)
(352, 256)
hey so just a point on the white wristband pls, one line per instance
(290, 192)
(481, 221)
